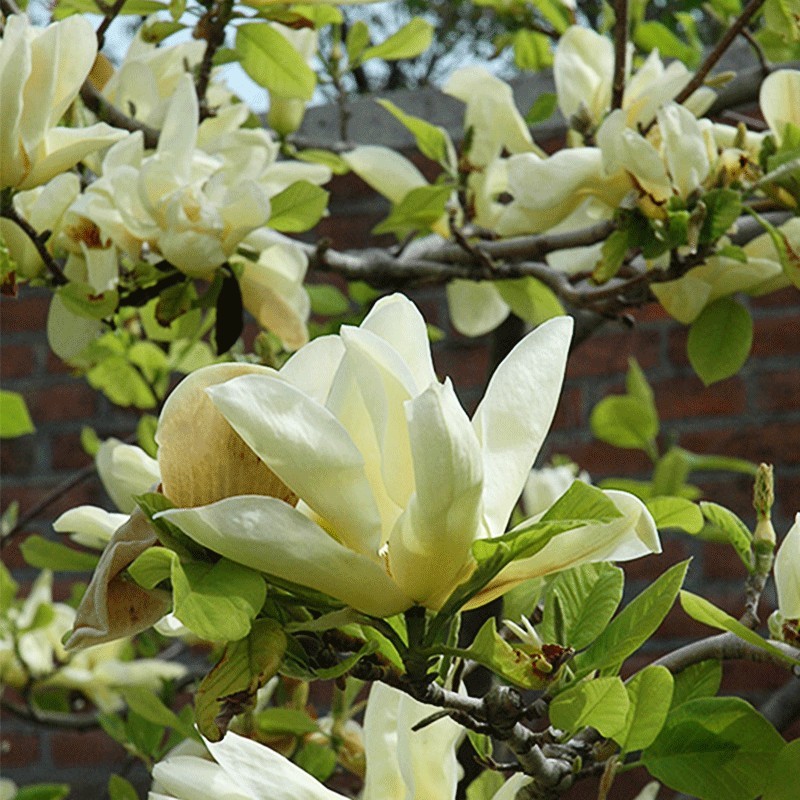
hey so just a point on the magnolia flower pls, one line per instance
(787, 573)
(780, 101)
(544, 486)
(40, 657)
(395, 482)
(583, 69)
(401, 763)
(41, 72)
(722, 276)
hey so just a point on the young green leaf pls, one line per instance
(410, 41)
(697, 680)
(357, 40)
(530, 299)
(417, 211)
(298, 207)
(327, 300)
(720, 340)
(121, 789)
(543, 108)
(83, 300)
(14, 417)
(676, 512)
(316, 759)
(717, 748)
(782, 783)
(723, 208)
(601, 703)
(433, 141)
(496, 654)
(150, 707)
(649, 695)
(283, 721)
(732, 530)
(44, 554)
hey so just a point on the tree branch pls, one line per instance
(724, 43)
(109, 15)
(77, 722)
(107, 112)
(620, 52)
(37, 239)
(211, 27)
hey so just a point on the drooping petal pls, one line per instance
(308, 449)
(787, 573)
(192, 778)
(386, 171)
(515, 415)
(475, 307)
(268, 535)
(383, 780)
(89, 525)
(630, 536)
(201, 457)
(430, 545)
(780, 100)
(125, 471)
(265, 773)
(508, 791)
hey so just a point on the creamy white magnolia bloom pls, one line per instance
(395, 482)
(787, 573)
(8, 789)
(97, 672)
(43, 208)
(721, 276)
(401, 763)
(41, 72)
(583, 69)
(780, 100)
(544, 486)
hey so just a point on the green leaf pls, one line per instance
(173, 302)
(149, 706)
(152, 566)
(142, 8)
(782, 783)
(531, 50)
(411, 40)
(168, 534)
(722, 463)
(155, 31)
(732, 530)
(317, 760)
(90, 441)
(485, 786)
(650, 696)
(432, 140)
(357, 40)
(269, 59)
(530, 299)
(716, 748)
(634, 625)
(83, 300)
(651, 35)
(327, 300)
(217, 602)
(298, 207)
(543, 108)
(601, 703)
(345, 665)
(586, 598)
(496, 654)
(417, 211)
(788, 256)
(336, 164)
(44, 554)
(283, 721)
(14, 417)
(624, 422)
(676, 512)
(613, 253)
(121, 383)
(43, 791)
(719, 340)
(121, 789)
(231, 685)
(723, 208)
(703, 611)
(8, 588)
(146, 434)
(697, 680)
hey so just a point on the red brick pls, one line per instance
(64, 401)
(17, 457)
(19, 749)
(652, 312)
(17, 361)
(56, 366)
(673, 550)
(679, 625)
(787, 297)
(778, 390)
(777, 336)
(23, 314)
(775, 443)
(609, 353)
(747, 676)
(29, 496)
(466, 365)
(569, 412)
(676, 346)
(602, 460)
(686, 397)
(85, 748)
(722, 561)
(626, 785)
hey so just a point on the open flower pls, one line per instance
(787, 573)
(401, 763)
(41, 72)
(395, 481)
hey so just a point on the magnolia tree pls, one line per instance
(323, 508)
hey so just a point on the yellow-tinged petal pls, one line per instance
(475, 307)
(386, 171)
(200, 456)
(787, 573)
(780, 100)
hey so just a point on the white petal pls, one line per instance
(787, 572)
(397, 320)
(271, 536)
(386, 171)
(508, 791)
(308, 449)
(430, 546)
(126, 471)
(89, 525)
(192, 778)
(515, 414)
(475, 307)
(630, 536)
(313, 368)
(265, 774)
(684, 147)
(582, 68)
(780, 100)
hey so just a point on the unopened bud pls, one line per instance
(763, 500)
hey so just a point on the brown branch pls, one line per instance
(76, 722)
(110, 14)
(107, 112)
(38, 240)
(211, 27)
(620, 52)
(758, 50)
(724, 43)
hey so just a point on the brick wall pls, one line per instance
(754, 415)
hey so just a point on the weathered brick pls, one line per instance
(19, 749)
(602, 460)
(570, 409)
(64, 401)
(465, 365)
(777, 336)
(686, 397)
(17, 361)
(674, 549)
(17, 457)
(609, 353)
(24, 313)
(778, 390)
(85, 748)
(787, 298)
(775, 442)
(722, 561)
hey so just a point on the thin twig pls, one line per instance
(38, 240)
(758, 50)
(77, 722)
(212, 29)
(724, 43)
(620, 52)
(109, 16)
(106, 111)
